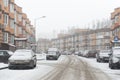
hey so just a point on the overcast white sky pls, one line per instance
(61, 14)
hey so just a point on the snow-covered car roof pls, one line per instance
(52, 49)
(116, 48)
(22, 52)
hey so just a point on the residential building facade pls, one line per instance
(84, 40)
(16, 30)
(115, 28)
(43, 45)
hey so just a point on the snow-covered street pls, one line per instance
(70, 67)
(114, 74)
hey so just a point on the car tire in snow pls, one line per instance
(111, 66)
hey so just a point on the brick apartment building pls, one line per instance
(16, 30)
(115, 18)
(87, 39)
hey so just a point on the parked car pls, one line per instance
(81, 52)
(4, 55)
(85, 53)
(91, 53)
(22, 58)
(103, 56)
(76, 53)
(53, 53)
(114, 60)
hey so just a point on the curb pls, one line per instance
(3, 68)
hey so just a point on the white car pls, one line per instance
(114, 60)
(103, 56)
(22, 58)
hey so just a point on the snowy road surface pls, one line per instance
(65, 68)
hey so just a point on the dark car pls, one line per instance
(4, 55)
(91, 53)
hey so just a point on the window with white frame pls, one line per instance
(15, 27)
(6, 3)
(20, 17)
(5, 37)
(6, 19)
(12, 8)
(116, 18)
(20, 30)
(20, 43)
(12, 39)
(24, 22)
(12, 23)
(15, 15)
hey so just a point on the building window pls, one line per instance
(5, 37)
(12, 8)
(12, 39)
(15, 27)
(24, 22)
(15, 15)
(20, 43)
(20, 17)
(6, 3)
(12, 24)
(20, 30)
(6, 20)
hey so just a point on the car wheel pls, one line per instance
(56, 58)
(10, 67)
(47, 58)
(111, 66)
(97, 60)
(32, 64)
(35, 64)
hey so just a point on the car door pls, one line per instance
(1, 56)
(6, 56)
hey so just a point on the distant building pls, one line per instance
(43, 45)
(84, 40)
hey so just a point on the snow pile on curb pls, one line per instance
(2, 65)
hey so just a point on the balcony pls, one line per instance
(6, 9)
(20, 23)
(22, 36)
(115, 26)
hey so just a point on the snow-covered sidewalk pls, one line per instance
(41, 56)
(2, 65)
(114, 74)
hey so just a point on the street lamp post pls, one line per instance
(35, 22)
